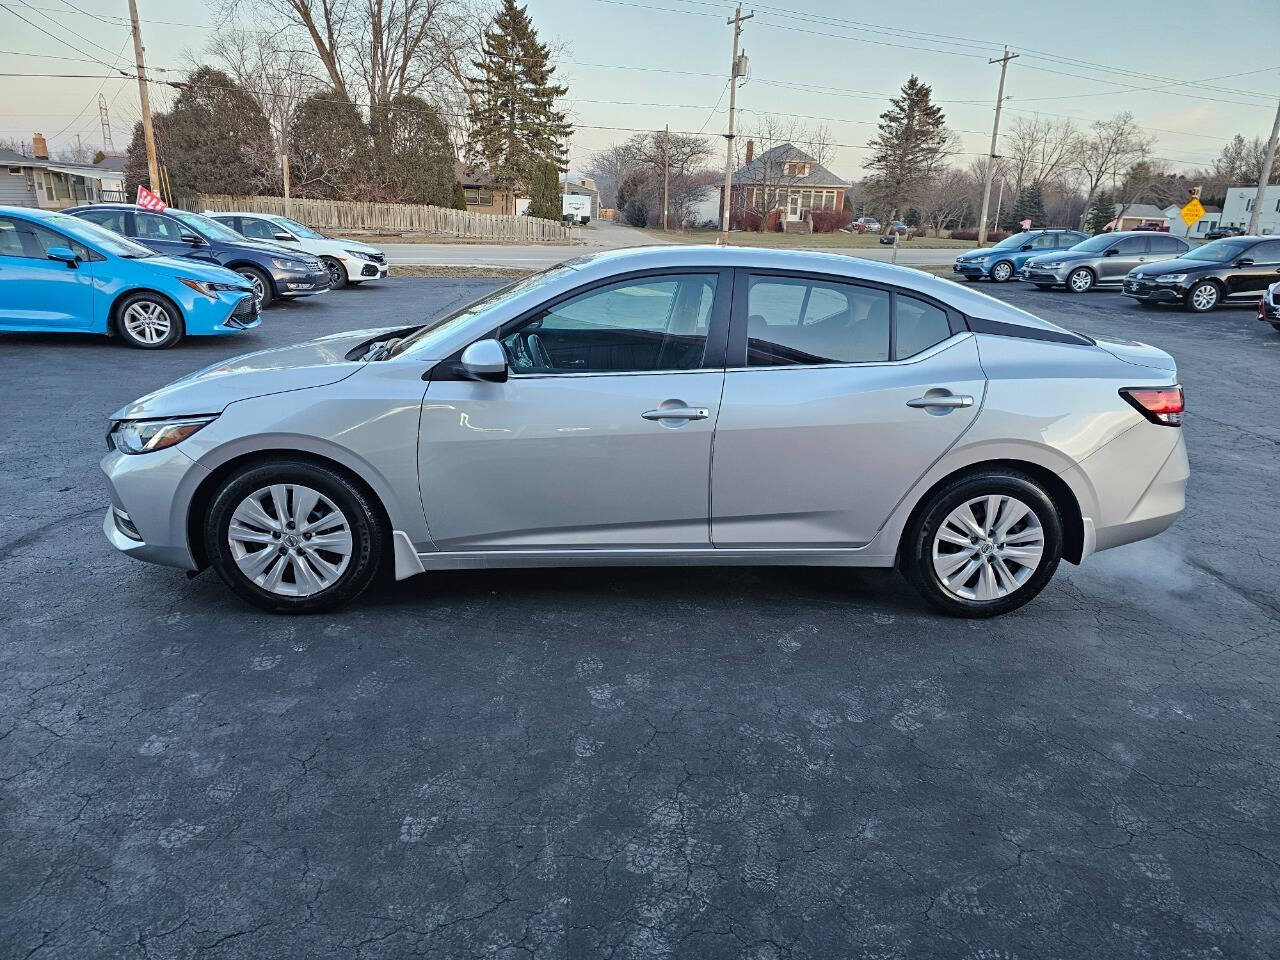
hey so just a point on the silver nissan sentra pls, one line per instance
(672, 405)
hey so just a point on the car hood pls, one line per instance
(302, 366)
(1141, 354)
(338, 246)
(194, 270)
(1177, 265)
(1059, 256)
(974, 254)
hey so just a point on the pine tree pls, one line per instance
(912, 143)
(1101, 212)
(514, 122)
(1030, 206)
(544, 191)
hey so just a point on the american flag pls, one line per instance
(148, 200)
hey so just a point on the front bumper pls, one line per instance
(150, 492)
(230, 313)
(973, 270)
(290, 283)
(1043, 275)
(1269, 308)
(359, 269)
(1150, 292)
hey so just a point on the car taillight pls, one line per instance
(1163, 405)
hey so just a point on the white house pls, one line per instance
(1178, 226)
(1238, 208)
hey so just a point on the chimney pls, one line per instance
(39, 149)
(751, 150)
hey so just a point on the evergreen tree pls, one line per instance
(459, 197)
(1101, 212)
(514, 122)
(330, 153)
(412, 153)
(1030, 206)
(911, 145)
(544, 191)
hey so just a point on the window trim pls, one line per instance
(736, 358)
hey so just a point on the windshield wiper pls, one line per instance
(380, 349)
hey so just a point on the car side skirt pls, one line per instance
(645, 557)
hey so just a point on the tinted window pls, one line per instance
(1048, 241)
(1167, 244)
(257, 229)
(21, 238)
(150, 226)
(1266, 252)
(918, 326)
(650, 323)
(111, 219)
(808, 321)
(1131, 245)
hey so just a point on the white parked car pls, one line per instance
(348, 261)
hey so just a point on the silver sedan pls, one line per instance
(684, 405)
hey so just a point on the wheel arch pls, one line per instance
(236, 264)
(1063, 497)
(113, 308)
(1013, 267)
(204, 493)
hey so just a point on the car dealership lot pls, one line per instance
(639, 763)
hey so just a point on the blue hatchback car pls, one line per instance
(1003, 261)
(60, 274)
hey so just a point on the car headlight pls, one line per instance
(361, 255)
(208, 289)
(145, 436)
(295, 265)
(1171, 278)
(1051, 265)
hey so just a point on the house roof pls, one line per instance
(13, 159)
(1172, 209)
(114, 162)
(767, 167)
(472, 176)
(1148, 210)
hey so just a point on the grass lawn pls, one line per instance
(803, 241)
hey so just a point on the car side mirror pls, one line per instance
(1244, 262)
(485, 360)
(1025, 247)
(1110, 252)
(68, 256)
(191, 238)
(287, 237)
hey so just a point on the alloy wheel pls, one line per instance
(290, 540)
(147, 321)
(1081, 281)
(987, 548)
(1204, 297)
(259, 288)
(335, 273)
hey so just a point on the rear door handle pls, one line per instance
(677, 413)
(941, 400)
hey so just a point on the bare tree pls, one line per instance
(944, 202)
(1109, 149)
(1039, 148)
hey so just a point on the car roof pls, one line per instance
(239, 213)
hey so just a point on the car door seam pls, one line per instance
(711, 463)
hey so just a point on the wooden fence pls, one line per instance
(339, 215)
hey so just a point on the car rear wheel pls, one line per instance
(337, 273)
(294, 537)
(148, 321)
(1081, 281)
(1203, 297)
(1002, 271)
(984, 544)
(261, 285)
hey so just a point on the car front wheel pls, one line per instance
(1203, 297)
(984, 544)
(1002, 271)
(294, 537)
(148, 321)
(337, 273)
(1080, 281)
(261, 285)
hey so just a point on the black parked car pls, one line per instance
(1219, 232)
(273, 270)
(1233, 269)
(1269, 306)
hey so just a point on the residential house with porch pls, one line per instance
(785, 177)
(37, 181)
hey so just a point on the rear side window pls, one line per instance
(1164, 244)
(111, 219)
(1266, 252)
(917, 326)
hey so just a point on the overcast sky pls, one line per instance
(643, 63)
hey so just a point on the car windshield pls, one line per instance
(303, 231)
(432, 330)
(1094, 244)
(107, 241)
(210, 229)
(1219, 251)
(1017, 240)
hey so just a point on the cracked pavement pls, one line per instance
(648, 763)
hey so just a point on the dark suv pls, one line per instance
(273, 270)
(1234, 269)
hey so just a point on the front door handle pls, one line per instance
(677, 413)
(941, 400)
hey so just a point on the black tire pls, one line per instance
(916, 555)
(1001, 271)
(262, 288)
(369, 538)
(133, 331)
(337, 272)
(1203, 297)
(1075, 285)
(1044, 286)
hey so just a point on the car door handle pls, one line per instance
(941, 400)
(677, 413)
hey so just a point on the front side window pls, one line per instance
(645, 324)
(1047, 241)
(21, 238)
(1130, 246)
(794, 321)
(150, 226)
(258, 229)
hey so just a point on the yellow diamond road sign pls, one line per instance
(1192, 212)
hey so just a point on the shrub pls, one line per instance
(748, 220)
(636, 213)
(773, 222)
(993, 236)
(829, 221)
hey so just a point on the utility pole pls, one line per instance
(1266, 173)
(737, 68)
(105, 119)
(144, 95)
(666, 172)
(991, 154)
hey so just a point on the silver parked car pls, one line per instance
(859, 414)
(1101, 261)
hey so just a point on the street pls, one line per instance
(639, 763)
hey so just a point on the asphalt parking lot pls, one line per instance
(739, 763)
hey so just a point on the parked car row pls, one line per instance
(1149, 266)
(151, 277)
